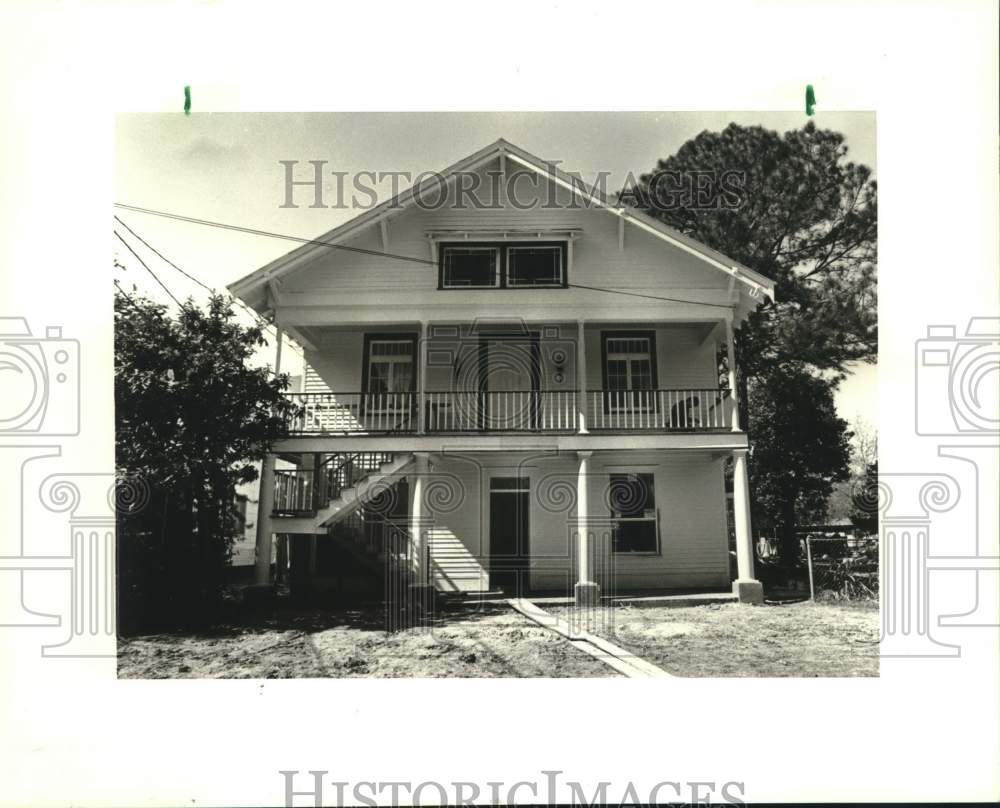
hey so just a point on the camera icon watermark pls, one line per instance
(40, 378)
(958, 378)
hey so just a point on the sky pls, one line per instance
(226, 167)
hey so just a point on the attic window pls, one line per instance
(530, 265)
(503, 265)
(465, 267)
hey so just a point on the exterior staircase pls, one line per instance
(316, 500)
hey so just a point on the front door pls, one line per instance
(509, 530)
(509, 383)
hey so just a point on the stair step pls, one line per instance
(350, 497)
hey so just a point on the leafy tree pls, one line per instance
(806, 218)
(864, 498)
(191, 417)
(799, 447)
(856, 499)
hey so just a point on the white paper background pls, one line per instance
(927, 729)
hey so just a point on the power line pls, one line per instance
(162, 257)
(204, 286)
(137, 258)
(255, 232)
(650, 297)
(377, 253)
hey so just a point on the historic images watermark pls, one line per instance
(313, 788)
(524, 190)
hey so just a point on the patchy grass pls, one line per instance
(791, 639)
(353, 643)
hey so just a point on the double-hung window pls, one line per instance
(390, 378)
(503, 265)
(632, 502)
(629, 371)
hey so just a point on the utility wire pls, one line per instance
(137, 258)
(649, 297)
(162, 257)
(377, 253)
(263, 323)
(271, 234)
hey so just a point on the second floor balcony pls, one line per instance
(501, 378)
(506, 411)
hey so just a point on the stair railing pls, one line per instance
(340, 471)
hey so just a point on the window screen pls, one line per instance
(469, 267)
(534, 266)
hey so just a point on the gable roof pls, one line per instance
(252, 287)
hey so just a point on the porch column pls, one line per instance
(586, 592)
(265, 504)
(581, 377)
(418, 520)
(422, 379)
(745, 586)
(731, 361)
(265, 497)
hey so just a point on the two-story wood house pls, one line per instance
(526, 393)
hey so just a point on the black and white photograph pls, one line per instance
(546, 403)
(511, 419)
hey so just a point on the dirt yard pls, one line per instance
(353, 643)
(791, 639)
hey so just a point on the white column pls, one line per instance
(745, 585)
(265, 497)
(581, 376)
(418, 520)
(265, 504)
(582, 543)
(731, 362)
(586, 592)
(422, 379)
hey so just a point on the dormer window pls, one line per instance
(535, 265)
(465, 267)
(503, 265)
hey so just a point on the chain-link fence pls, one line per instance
(842, 567)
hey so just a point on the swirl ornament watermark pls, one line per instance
(443, 492)
(129, 495)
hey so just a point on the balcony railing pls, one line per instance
(345, 413)
(498, 411)
(502, 411)
(658, 410)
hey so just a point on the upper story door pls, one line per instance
(388, 396)
(509, 383)
(629, 371)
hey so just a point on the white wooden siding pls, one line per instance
(647, 262)
(684, 359)
(694, 550)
